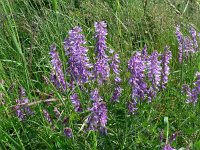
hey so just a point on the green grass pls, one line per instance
(29, 27)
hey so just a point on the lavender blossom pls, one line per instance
(68, 132)
(98, 117)
(101, 32)
(132, 107)
(94, 95)
(56, 112)
(144, 53)
(79, 66)
(115, 67)
(154, 70)
(101, 67)
(168, 147)
(180, 42)
(101, 70)
(192, 94)
(188, 47)
(137, 66)
(194, 37)
(57, 76)
(76, 102)
(24, 111)
(165, 66)
(116, 94)
(47, 116)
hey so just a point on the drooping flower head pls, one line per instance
(57, 75)
(79, 66)
(167, 55)
(76, 102)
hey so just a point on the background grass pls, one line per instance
(29, 27)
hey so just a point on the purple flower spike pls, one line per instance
(47, 116)
(76, 102)
(101, 67)
(165, 66)
(115, 67)
(22, 113)
(137, 66)
(57, 76)
(180, 42)
(194, 37)
(116, 94)
(101, 32)
(192, 94)
(154, 70)
(132, 107)
(101, 70)
(168, 147)
(79, 66)
(94, 95)
(98, 117)
(144, 53)
(68, 132)
(188, 46)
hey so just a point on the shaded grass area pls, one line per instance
(29, 27)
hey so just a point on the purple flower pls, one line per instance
(94, 95)
(137, 66)
(168, 147)
(116, 94)
(68, 132)
(144, 53)
(57, 76)
(101, 70)
(56, 112)
(98, 117)
(101, 67)
(132, 107)
(188, 46)
(79, 66)
(115, 67)
(76, 102)
(165, 66)
(24, 111)
(154, 70)
(47, 116)
(100, 35)
(194, 37)
(180, 42)
(192, 94)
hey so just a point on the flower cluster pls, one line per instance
(101, 67)
(98, 117)
(79, 66)
(57, 75)
(192, 94)
(76, 102)
(186, 45)
(148, 75)
(22, 112)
